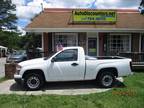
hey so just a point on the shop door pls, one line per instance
(92, 46)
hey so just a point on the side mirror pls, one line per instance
(53, 59)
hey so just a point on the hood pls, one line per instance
(32, 62)
(16, 56)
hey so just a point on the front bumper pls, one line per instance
(18, 79)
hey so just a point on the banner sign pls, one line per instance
(94, 16)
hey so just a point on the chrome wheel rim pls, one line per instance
(107, 80)
(33, 82)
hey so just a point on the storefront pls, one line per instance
(99, 32)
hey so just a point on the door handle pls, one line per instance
(74, 64)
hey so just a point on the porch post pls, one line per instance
(101, 44)
(45, 42)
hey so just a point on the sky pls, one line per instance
(27, 9)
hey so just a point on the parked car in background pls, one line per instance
(34, 53)
(17, 57)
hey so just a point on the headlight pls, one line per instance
(18, 68)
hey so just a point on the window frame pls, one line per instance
(65, 58)
(119, 48)
(56, 35)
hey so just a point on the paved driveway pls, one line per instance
(2, 67)
(59, 88)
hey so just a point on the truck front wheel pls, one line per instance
(106, 79)
(33, 81)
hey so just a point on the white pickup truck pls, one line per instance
(71, 64)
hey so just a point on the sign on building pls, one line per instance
(94, 16)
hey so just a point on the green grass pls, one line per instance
(3, 79)
(131, 96)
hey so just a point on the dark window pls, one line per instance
(142, 42)
(117, 43)
(67, 55)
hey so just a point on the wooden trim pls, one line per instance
(116, 30)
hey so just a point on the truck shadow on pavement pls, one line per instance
(67, 85)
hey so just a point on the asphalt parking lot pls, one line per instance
(57, 88)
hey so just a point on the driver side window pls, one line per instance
(67, 55)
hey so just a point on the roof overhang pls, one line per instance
(84, 30)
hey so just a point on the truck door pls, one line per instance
(66, 66)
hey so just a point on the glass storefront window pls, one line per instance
(117, 43)
(65, 39)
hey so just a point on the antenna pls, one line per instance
(42, 6)
(142, 3)
(141, 7)
(93, 4)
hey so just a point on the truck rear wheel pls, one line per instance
(106, 79)
(33, 81)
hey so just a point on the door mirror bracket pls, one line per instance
(53, 59)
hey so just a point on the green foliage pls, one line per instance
(30, 41)
(24, 41)
(12, 40)
(131, 96)
(9, 39)
(7, 16)
(3, 79)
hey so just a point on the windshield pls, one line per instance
(19, 52)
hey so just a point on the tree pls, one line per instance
(30, 40)
(9, 39)
(7, 20)
(7, 16)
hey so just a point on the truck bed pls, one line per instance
(102, 57)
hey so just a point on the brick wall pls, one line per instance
(10, 69)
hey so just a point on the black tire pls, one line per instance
(33, 81)
(106, 79)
